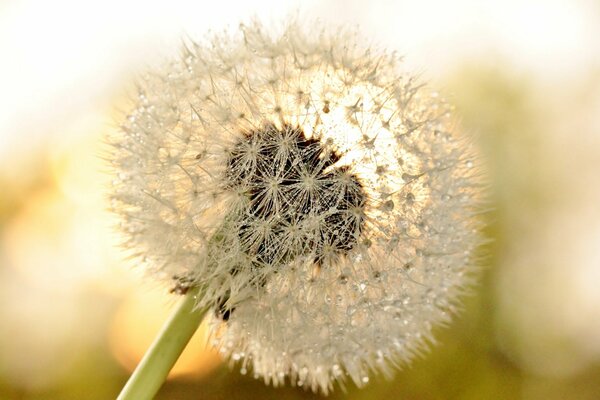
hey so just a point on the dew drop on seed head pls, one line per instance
(388, 205)
(336, 370)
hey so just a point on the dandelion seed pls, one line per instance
(319, 197)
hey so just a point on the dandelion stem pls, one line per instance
(152, 371)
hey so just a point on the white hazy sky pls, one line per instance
(63, 58)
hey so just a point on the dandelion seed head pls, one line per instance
(320, 197)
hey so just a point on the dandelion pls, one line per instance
(317, 200)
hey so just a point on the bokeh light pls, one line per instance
(133, 329)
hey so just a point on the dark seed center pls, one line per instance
(303, 202)
(298, 203)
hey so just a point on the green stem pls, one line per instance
(152, 371)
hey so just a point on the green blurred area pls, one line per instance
(479, 356)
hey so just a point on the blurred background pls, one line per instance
(525, 79)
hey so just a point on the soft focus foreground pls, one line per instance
(526, 81)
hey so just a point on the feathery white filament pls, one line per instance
(320, 198)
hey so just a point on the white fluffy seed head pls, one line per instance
(319, 197)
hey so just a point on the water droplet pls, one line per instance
(388, 206)
(303, 372)
(377, 275)
(336, 370)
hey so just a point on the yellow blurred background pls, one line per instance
(525, 79)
